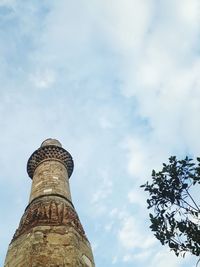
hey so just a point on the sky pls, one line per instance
(117, 83)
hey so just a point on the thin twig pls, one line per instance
(197, 210)
(192, 199)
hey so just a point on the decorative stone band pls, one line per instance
(50, 152)
(50, 195)
(49, 212)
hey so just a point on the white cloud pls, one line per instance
(135, 196)
(132, 236)
(105, 123)
(143, 156)
(189, 12)
(114, 260)
(43, 79)
(138, 57)
(161, 258)
(114, 212)
(141, 256)
(126, 22)
(103, 192)
(7, 2)
(100, 196)
(109, 226)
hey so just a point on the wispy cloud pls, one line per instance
(118, 83)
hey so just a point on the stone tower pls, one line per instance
(50, 233)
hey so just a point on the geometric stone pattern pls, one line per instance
(50, 152)
(49, 211)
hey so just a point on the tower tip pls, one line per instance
(51, 142)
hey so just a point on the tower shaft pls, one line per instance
(50, 233)
(50, 178)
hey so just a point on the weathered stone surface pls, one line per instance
(50, 177)
(50, 233)
(45, 246)
(49, 210)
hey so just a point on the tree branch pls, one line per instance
(192, 199)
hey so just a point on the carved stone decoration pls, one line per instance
(50, 232)
(50, 152)
(49, 212)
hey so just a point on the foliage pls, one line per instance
(176, 215)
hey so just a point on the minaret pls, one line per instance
(50, 233)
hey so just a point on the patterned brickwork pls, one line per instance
(50, 152)
(50, 233)
(50, 210)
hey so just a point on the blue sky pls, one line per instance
(117, 82)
